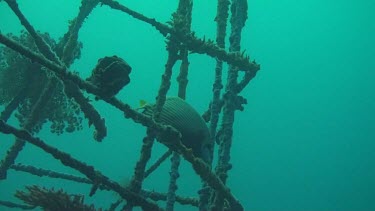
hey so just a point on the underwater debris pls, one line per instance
(53, 200)
(232, 102)
(191, 41)
(89, 171)
(180, 41)
(21, 83)
(110, 75)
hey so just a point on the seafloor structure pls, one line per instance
(40, 79)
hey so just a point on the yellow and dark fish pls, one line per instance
(110, 75)
(182, 116)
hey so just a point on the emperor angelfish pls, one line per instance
(182, 116)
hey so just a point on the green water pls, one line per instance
(306, 140)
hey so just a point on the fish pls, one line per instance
(182, 116)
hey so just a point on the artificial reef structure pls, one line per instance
(37, 87)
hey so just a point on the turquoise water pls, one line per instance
(306, 140)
